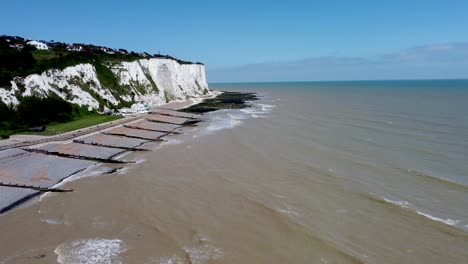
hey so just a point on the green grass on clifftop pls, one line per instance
(83, 122)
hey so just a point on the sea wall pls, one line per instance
(154, 81)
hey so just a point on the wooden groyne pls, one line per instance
(72, 156)
(113, 141)
(171, 119)
(109, 146)
(27, 172)
(136, 133)
(153, 130)
(156, 127)
(70, 135)
(173, 113)
(36, 188)
(137, 137)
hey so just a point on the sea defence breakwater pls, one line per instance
(29, 171)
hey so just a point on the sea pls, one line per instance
(313, 172)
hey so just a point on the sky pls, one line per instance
(248, 41)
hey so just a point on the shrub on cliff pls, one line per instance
(33, 111)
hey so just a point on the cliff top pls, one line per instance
(20, 57)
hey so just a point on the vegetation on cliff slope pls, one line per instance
(77, 123)
(17, 59)
(37, 111)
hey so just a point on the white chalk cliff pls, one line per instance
(154, 81)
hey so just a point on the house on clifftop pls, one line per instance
(38, 45)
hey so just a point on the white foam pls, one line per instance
(203, 254)
(139, 160)
(258, 110)
(169, 141)
(225, 122)
(255, 113)
(267, 107)
(252, 111)
(406, 204)
(288, 211)
(93, 171)
(92, 251)
(403, 204)
(172, 141)
(170, 260)
(52, 221)
(447, 221)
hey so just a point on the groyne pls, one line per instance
(30, 168)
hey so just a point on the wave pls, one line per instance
(266, 107)
(168, 260)
(433, 178)
(252, 111)
(233, 119)
(255, 113)
(167, 142)
(405, 205)
(94, 251)
(93, 171)
(51, 221)
(447, 221)
(172, 141)
(203, 254)
(289, 211)
(225, 122)
(295, 226)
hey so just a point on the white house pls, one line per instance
(75, 48)
(38, 45)
(17, 46)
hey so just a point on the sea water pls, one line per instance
(313, 172)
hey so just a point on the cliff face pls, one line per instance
(154, 81)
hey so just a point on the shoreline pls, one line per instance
(21, 140)
(35, 167)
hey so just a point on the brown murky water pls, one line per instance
(298, 179)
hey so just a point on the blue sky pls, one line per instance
(266, 40)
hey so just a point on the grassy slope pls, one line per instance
(40, 55)
(86, 121)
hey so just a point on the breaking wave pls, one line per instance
(447, 221)
(225, 122)
(92, 251)
(433, 178)
(203, 254)
(408, 206)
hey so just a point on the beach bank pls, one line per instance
(32, 167)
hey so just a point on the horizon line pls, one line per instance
(356, 80)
